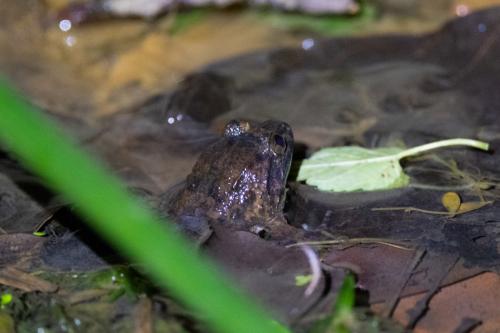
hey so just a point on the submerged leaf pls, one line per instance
(352, 168)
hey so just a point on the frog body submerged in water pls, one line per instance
(240, 179)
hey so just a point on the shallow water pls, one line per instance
(113, 65)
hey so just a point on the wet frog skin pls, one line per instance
(240, 179)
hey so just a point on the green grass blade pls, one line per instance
(342, 315)
(121, 219)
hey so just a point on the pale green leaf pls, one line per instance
(352, 168)
(347, 169)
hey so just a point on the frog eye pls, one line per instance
(278, 144)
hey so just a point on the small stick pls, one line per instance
(352, 241)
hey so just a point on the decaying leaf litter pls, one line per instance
(462, 245)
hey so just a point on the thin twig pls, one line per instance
(353, 241)
(410, 209)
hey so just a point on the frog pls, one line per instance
(239, 180)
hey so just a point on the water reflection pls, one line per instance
(308, 43)
(171, 120)
(70, 41)
(65, 25)
(462, 10)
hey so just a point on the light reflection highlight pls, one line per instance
(171, 120)
(65, 25)
(308, 43)
(462, 10)
(70, 41)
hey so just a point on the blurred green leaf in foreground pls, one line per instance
(341, 320)
(121, 219)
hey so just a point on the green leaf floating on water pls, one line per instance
(353, 168)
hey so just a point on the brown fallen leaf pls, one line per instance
(84, 295)
(475, 297)
(143, 318)
(16, 278)
(454, 205)
(472, 205)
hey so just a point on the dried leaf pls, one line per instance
(451, 201)
(13, 277)
(472, 205)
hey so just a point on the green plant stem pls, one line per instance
(126, 223)
(443, 143)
